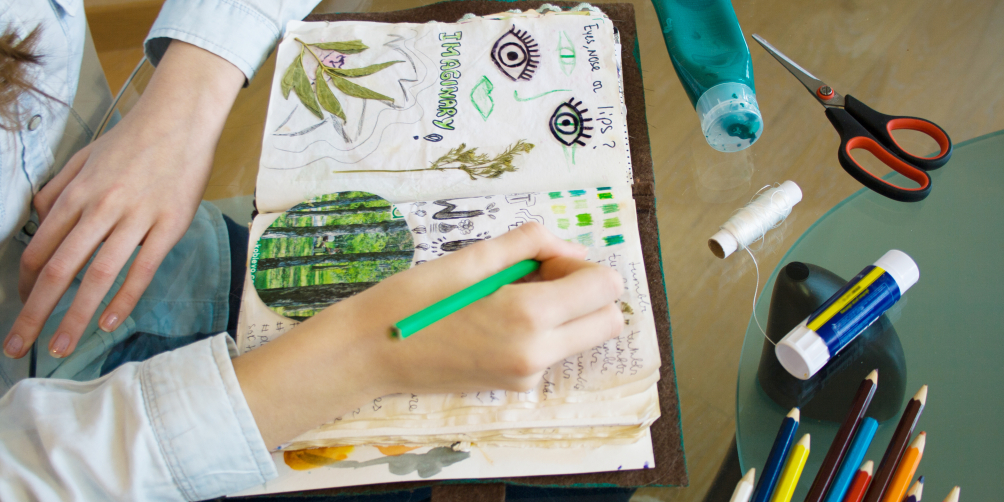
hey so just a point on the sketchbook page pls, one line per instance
(578, 391)
(524, 104)
(364, 465)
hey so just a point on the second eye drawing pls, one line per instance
(516, 54)
(568, 125)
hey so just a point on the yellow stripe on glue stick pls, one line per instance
(852, 294)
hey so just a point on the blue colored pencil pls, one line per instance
(775, 460)
(855, 455)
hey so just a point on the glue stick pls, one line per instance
(807, 347)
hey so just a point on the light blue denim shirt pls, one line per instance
(175, 427)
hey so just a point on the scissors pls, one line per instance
(861, 127)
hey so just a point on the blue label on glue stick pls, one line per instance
(852, 309)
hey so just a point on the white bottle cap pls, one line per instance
(901, 267)
(730, 116)
(802, 352)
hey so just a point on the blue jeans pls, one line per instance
(142, 346)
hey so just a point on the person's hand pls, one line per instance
(345, 355)
(140, 184)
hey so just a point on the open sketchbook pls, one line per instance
(388, 145)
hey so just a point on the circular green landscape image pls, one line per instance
(327, 249)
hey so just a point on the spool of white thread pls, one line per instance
(752, 222)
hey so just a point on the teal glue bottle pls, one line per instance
(710, 55)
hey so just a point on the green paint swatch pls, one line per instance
(610, 208)
(585, 239)
(611, 223)
(577, 193)
(581, 204)
(558, 209)
(605, 195)
(563, 223)
(584, 220)
(603, 188)
(613, 239)
(554, 195)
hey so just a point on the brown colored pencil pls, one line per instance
(838, 448)
(897, 445)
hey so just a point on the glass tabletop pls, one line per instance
(949, 323)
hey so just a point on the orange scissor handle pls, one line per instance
(881, 127)
(853, 136)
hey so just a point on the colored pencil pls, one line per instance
(915, 491)
(745, 487)
(842, 441)
(429, 315)
(792, 471)
(775, 459)
(897, 445)
(953, 496)
(856, 491)
(855, 454)
(907, 468)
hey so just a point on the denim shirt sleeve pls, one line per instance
(243, 32)
(175, 427)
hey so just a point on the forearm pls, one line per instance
(191, 94)
(312, 375)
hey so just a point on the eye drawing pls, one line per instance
(516, 55)
(568, 125)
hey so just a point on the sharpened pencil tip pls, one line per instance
(921, 395)
(953, 496)
(917, 489)
(868, 467)
(804, 441)
(749, 477)
(873, 376)
(920, 442)
(794, 413)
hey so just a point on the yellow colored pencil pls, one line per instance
(953, 496)
(792, 471)
(905, 470)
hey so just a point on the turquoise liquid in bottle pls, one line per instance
(709, 53)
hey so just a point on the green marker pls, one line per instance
(429, 315)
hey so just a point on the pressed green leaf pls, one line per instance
(361, 72)
(288, 77)
(327, 99)
(357, 91)
(350, 47)
(301, 84)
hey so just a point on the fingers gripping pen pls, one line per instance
(807, 347)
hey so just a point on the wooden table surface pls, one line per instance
(937, 59)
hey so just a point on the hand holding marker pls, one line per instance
(433, 313)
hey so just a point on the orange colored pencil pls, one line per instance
(859, 484)
(904, 472)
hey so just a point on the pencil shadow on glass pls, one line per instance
(799, 290)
